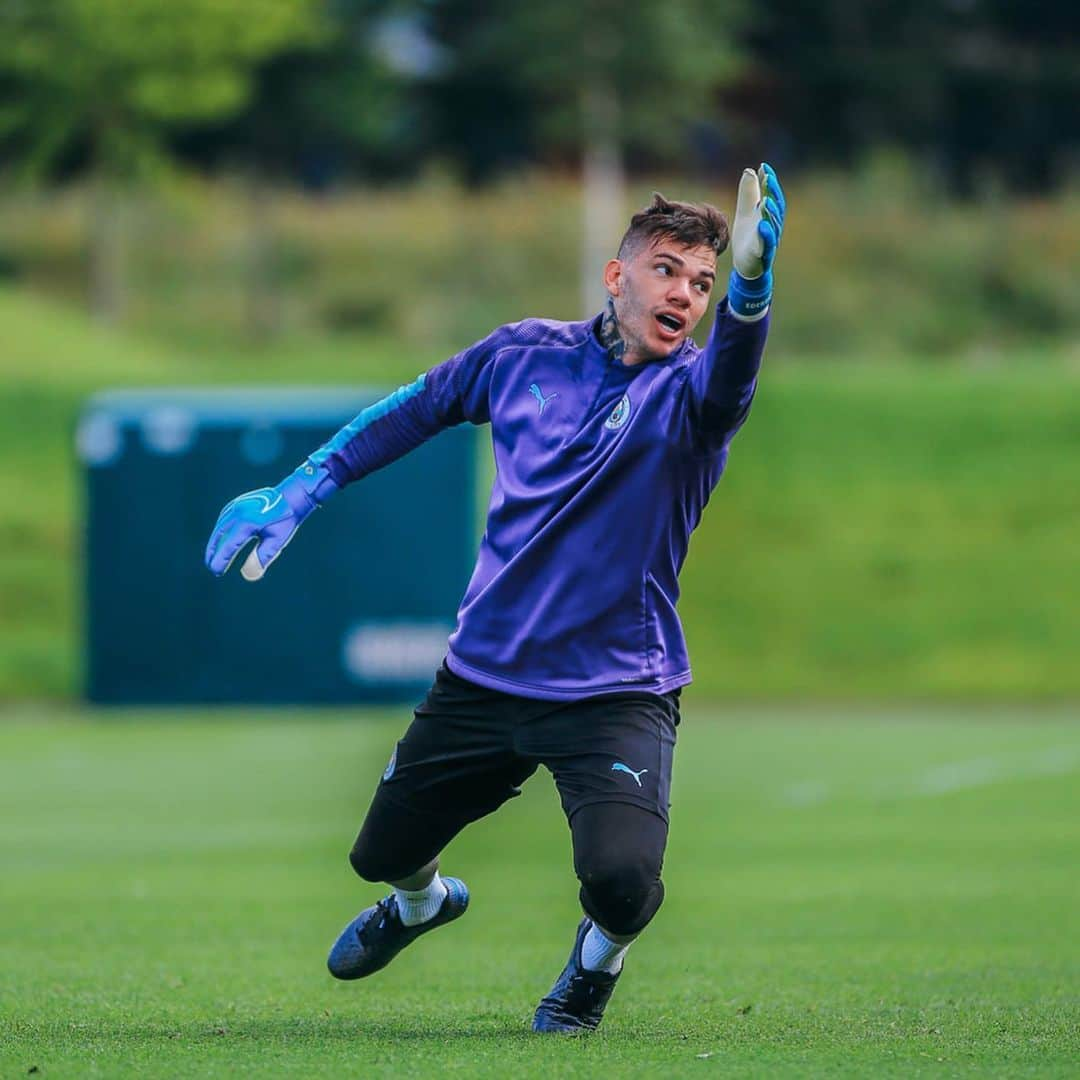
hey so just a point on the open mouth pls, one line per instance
(672, 323)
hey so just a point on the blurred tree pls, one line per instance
(1011, 87)
(483, 115)
(979, 87)
(103, 80)
(343, 106)
(593, 78)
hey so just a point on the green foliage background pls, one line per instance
(115, 75)
(877, 263)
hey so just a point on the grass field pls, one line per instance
(849, 893)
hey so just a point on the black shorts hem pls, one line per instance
(461, 815)
(625, 800)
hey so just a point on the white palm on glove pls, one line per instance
(759, 222)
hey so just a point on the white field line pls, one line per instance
(943, 779)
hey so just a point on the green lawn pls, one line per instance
(863, 893)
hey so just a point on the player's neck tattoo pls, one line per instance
(610, 336)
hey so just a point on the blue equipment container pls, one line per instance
(357, 609)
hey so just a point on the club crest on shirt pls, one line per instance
(619, 415)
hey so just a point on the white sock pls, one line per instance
(600, 954)
(421, 905)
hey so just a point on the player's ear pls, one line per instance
(613, 276)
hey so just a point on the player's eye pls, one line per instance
(664, 269)
(703, 287)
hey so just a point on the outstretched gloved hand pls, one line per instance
(759, 223)
(270, 516)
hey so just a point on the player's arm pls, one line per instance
(723, 381)
(449, 394)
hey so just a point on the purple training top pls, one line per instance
(602, 473)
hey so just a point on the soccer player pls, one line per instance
(609, 436)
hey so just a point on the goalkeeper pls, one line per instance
(609, 436)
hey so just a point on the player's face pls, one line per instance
(660, 295)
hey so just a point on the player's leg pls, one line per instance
(454, 765)
(396, 846)
(618, 856)
(613, 772)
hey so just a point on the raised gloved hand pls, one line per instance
(270, 516)
(759, 221)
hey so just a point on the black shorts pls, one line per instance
(469, 749)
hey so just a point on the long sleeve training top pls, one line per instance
(602, 473)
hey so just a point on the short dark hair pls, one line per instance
(688, 224)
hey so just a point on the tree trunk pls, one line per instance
(106, 250)
(604, 194)
(263, 295)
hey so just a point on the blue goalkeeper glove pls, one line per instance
(270, 516)
(759, 221)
